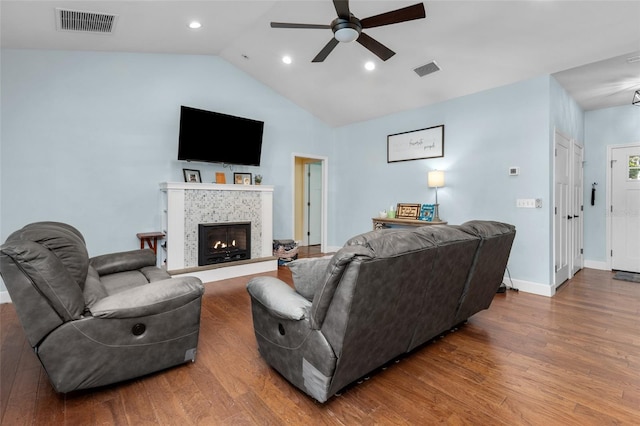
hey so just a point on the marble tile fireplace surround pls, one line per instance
(187, 205)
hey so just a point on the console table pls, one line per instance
(151, 238)
(383, 222)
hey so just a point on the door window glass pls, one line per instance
(634, 167)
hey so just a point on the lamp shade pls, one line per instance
(435, 179)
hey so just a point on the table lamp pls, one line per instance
(435, 179)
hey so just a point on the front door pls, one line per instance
(625, 208)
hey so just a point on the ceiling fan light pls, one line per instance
(636, 98)
(346, 35)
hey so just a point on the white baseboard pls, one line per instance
(233, 271)
(594, 264)
(4, 297)
(531, 287)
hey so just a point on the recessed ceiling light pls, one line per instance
(286, 59)
(194, 25)
(370, 66)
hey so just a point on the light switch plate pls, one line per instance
(526, 203)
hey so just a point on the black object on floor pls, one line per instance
(502, 288)
(627, 276)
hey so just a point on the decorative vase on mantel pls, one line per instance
(258, 179)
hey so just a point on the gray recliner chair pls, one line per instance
(102, 320)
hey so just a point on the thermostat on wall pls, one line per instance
(514, 171)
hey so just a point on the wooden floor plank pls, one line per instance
(572, 359)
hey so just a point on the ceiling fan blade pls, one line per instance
(377, 48)
(408, 13)
(342, 8)
(291, 25)
(326, 50)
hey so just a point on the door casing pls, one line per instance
(325, 185)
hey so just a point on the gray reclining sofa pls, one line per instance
(97, 321)
(380, 296)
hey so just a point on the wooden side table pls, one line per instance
(383, 222)
(151, 238)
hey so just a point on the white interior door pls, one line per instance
(561, 208)
(576, 214)
(625, 208)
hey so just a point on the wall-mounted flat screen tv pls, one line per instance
(219, 138)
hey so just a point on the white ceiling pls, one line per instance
(477, 44)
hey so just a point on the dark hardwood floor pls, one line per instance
(573, 359)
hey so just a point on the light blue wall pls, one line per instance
(87, 137)
(485, 134)
(610, 126)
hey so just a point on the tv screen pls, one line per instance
(219, 138)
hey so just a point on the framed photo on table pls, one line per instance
(426, 212)
(192, 176)
(408, 211)
(242, 178)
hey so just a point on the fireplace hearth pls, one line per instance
(223, 242)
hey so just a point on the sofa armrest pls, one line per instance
(150, 299)
(124, 261)
(278, 298)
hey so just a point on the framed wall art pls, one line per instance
(242, 178)
(416, 145)
(192, 176)
(408, 211)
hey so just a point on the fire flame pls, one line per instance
(221, 245)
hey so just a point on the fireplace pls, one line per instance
(223, 242)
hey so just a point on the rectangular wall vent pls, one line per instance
(76, 20)
(429, 68)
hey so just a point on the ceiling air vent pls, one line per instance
(429, 68)
(76, 20)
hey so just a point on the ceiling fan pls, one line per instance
(347, 28)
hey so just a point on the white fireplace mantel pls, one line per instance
(187, 204)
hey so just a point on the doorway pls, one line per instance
(310, 200)
(623, 207)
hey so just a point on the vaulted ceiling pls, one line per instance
(591, 47)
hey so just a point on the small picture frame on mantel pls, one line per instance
(242, 178)
(192, 176)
